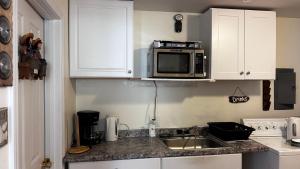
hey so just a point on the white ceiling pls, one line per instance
(284, 8)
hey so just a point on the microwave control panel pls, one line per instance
(176, 44)
(200, 64)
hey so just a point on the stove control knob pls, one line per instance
(274, 127)
(259, 127)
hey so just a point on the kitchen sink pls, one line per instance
(191, 143)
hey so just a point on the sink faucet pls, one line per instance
(195, 131)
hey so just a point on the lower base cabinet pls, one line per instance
(228, 161)
(153, 163)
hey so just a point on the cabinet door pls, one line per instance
(230, 161)
(119, 164)
(101, 38)
(289, 162)
(260, 44)
(227, 53)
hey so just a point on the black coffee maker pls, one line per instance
(87, 121)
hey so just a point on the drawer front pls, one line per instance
(289, 162)
(230, 161)
(119, 164)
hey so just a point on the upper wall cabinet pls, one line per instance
(101, 39)
(241, 43)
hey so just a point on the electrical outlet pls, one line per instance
(3, 126)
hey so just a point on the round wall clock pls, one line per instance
(5, 4)
(178, 23)
(5, 66)
(5, 31)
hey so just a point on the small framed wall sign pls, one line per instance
(3, 127)
(238, 98)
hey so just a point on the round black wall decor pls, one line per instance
(5, 30)
(5, 4)
(5, 66)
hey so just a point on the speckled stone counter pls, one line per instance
(145, 147)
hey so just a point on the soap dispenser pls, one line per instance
(152, 128)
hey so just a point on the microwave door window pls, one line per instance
(173, 63)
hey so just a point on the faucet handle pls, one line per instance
(179, 131)
(195, 130)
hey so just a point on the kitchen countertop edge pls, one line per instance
(145, 147)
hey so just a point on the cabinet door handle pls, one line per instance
(241, 73)
(248, 73)
(129, 71)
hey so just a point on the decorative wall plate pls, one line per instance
(5, 4)
(5, 30)
(5, 66)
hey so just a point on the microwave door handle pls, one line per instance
(193, 66)
(204, 66)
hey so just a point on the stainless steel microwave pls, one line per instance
(178, 60)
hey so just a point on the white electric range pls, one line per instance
(272, 133)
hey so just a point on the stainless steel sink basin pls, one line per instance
(191, 143)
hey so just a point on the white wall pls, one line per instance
(183, 104)
(4, 96)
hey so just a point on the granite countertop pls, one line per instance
(146, 147)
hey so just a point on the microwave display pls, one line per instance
(168, 62)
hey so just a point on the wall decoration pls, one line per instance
(5, 4)
(5, 30)
(266, 95)
(5, 66)
(31, 64)
(3, 127)
(239, 99)
(6, 48)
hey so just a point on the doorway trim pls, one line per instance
(54, 86)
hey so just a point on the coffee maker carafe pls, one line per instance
(87, 121)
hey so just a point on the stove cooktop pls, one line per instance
(272, 133)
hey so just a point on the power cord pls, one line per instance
(155, 102)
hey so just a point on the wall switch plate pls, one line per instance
(3, 126)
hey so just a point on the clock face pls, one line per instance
(5, 4)
(178, 17)
(5, 66)
(5, 31)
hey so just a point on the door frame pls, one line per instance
(54, 86)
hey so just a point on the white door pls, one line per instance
(31, 97)
(228, 44)
(260, 44)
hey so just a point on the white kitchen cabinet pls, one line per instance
(230, 161)
(241, 43)
(260, 44)
(227, 43)
(101, 39)
(153, 163)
